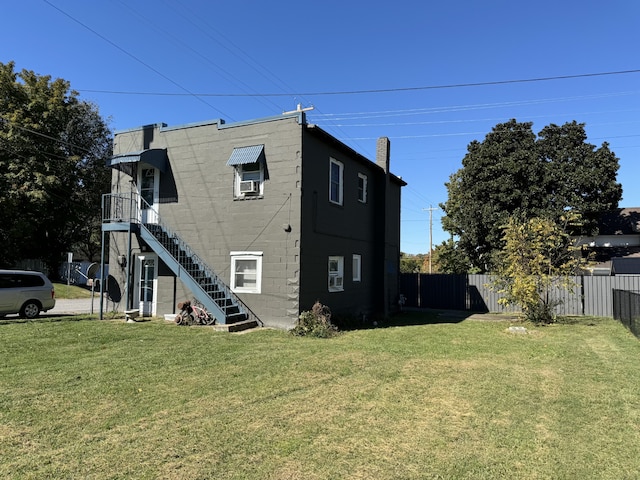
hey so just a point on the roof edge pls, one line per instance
(221, 123)
(327, 136)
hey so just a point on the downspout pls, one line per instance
(100, 316)
(383, 155)
(127, 284)
(127, 302)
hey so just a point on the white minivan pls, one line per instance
(26, 293)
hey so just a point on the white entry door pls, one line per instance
(149, 187)
(146, 284)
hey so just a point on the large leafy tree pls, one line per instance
(53, 148)
(513, 172)
(578, 176)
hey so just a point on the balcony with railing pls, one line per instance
(120, 211)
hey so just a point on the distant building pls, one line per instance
(625, 266)
(618, 238)
(254, 219)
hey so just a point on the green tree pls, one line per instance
(410, 263)
(448, 258)
(578, 176)
(512, 172)
(53, 149)
(538, 259)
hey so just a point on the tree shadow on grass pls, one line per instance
(48, 318)
(403, 319)
(426, 317)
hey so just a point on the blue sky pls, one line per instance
(431, 76)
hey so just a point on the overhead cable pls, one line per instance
(379, 90)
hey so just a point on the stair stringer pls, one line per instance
(199, 293)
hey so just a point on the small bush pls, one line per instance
(315, 323)
(541, 313)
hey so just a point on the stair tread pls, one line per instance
(210, 286)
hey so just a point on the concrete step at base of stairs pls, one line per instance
(236, 327)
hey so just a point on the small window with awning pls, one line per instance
(250, 171)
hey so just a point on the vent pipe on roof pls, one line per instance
(299, 109)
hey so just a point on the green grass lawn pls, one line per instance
(71, 291)
(467, 400)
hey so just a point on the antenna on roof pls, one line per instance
(299, 109)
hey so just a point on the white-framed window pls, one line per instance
(336, 172)
(148, 187)
(357, 267)
(249, 180)
(246, 272)
(362, 188)
(336, 274)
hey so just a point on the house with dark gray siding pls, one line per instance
(257, 220)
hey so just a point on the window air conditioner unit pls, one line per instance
(248, 186)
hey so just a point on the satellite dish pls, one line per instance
(113, 290)
(92, 271)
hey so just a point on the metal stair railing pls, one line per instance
(207, 288)
(120, 207)
(215, 294)
(204, 283)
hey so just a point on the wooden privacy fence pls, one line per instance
(591, 296)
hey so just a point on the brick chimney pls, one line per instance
(383, 153)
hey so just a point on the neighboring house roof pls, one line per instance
(625, 266)
(623, 221)
(617, 238)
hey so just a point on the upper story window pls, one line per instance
(250, 171)
(249, 180)
(336, 174)
(147, 184)
(362, 188)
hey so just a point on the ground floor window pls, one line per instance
(246, 272)
(357, 267)
(336, 274)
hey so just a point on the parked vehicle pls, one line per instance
(25, 293)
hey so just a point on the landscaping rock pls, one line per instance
(518, 330)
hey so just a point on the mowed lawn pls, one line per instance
(468, 400)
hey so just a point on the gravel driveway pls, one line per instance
(75, 306)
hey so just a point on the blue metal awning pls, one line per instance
(125, 162)
(244, 155)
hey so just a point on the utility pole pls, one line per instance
(430, 209)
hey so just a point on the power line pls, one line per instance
(142, 62)
(245, 57)
(44, 135)
(463, 108)
(353, 92)
(229, 76)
